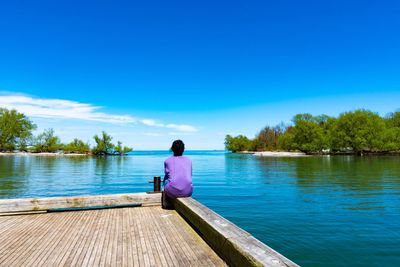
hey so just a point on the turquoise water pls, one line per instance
(317, 211)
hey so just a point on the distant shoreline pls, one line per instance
(303, 154)
(279, 154)
(47, 154)
(272, 153)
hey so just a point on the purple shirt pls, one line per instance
(178, 172)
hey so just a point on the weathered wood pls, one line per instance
(143, 236)
(236, 246)
(125, 236)
(43, 204)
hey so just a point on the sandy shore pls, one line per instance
(279, 154)
(39, 154)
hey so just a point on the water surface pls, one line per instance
(317, 211)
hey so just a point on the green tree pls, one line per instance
(356, 131)
(393, 119)
(47, 142)
(329, 128)
(391, 135)
(391, 139)
(15, 130)
(120, 150)
(359, 131)
(238, 143)
(77, 146)
(286, 140)
(267, 138)
(23, 144)
(104, 146)
(308, 133)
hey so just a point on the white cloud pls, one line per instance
(181, 127)
(150, 122)
(67, 109)
(177, 127)
(60, 109)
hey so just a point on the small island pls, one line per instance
(359, 132)
(16, 138)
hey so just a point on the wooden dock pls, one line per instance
(52, 232)
(148, 236)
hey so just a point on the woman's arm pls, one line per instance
(166, 172)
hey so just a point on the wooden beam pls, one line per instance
(42, 204)
(236, 246)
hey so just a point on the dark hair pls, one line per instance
(178, 147)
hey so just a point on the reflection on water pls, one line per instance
(103, 167)
(350, 172)
(108, 167)
(13, 175)
(318, 211)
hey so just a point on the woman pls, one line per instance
(178, 173)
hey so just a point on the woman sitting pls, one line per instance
(178, 173)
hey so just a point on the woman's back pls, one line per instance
(178, 171)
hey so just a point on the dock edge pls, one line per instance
(234, 245)
(29, 205)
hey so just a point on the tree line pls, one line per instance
(354, 132)
(16, 134)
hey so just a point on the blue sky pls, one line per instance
(152, 71)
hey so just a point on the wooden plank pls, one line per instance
(142, 238)
(145, 236)
(131, 248)
(201, 257)
(70, 243)
(124, 240)
(99, 256)
(162, 245)
(84, 239)
(189, 245)
(114, 243)
(161, 250)
(14, 225)
(65, 233)
(94, 238)
(120, 242)
(152, 237)
(184, 253)
(232, 243)
(108, 249)
(6, 214)
(23, 233)
(33, 242)
(10, 239)
(136, 242)
(40, 204)
(61, 230)
(7, 223)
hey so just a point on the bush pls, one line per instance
(47, 142)
(77, 146)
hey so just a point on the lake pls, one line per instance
(317, 211)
